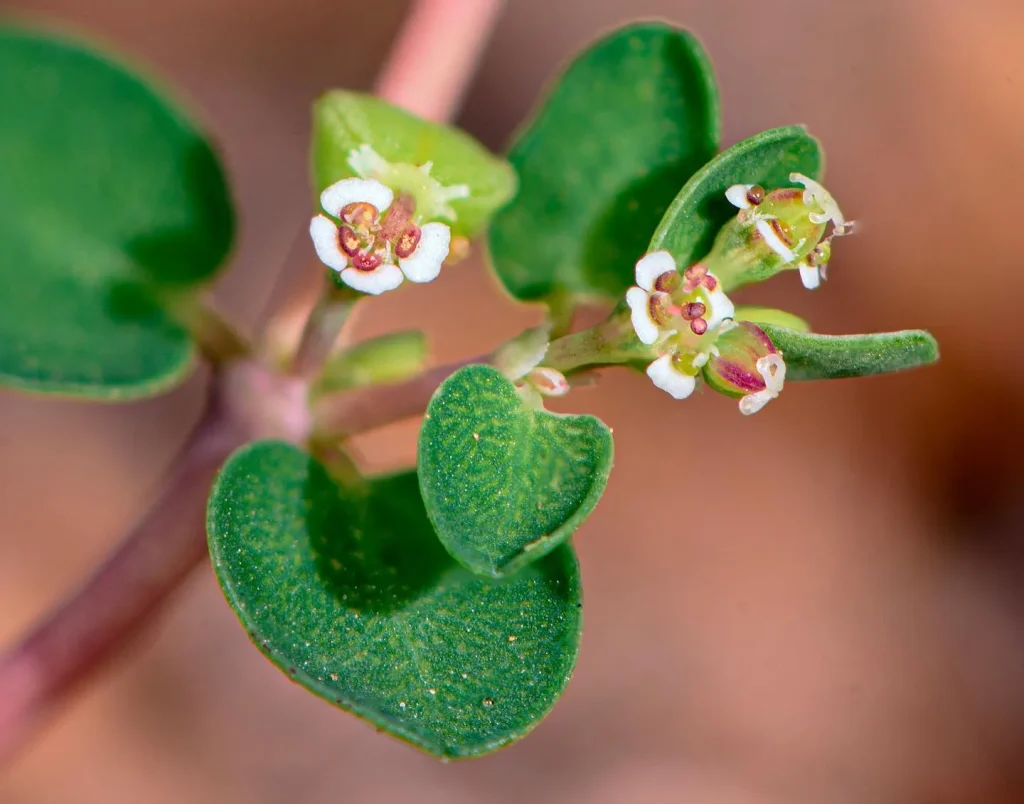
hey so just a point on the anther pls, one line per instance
(699, 326)
(407, 242)
(755, 195)
(693, 310)
(360, 213)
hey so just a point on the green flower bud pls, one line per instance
(746, 364)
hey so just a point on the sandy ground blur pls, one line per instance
(850, 633)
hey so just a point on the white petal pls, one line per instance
(380, 280)
(752, 403)
(646, 328)
(674, 383)
(737, 195)
(425, 263)
(325, 240)
(773, 380)
(651, 266)
(773, 241)
(348, 191)
(810, 275)
(720, 307)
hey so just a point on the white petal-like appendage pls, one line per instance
(425, 263)
(350, 191)
(815, 193)
(810, 275)
(752, 403)
(720, 307)
(672, 382)
(646, 328)
(325, 240)
(380, 280)
(773, 241)
(772, 369)
(737, 195)
(651, 266)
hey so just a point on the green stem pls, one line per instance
(322, 329)
(612, 342)
(218, 339)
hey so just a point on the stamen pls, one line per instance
(697, 276)
(693, 310)
(667, 282)
(699, 326)
(366, 261)
(408, 241)
(361, 214)
(349, 241)
(755, 194)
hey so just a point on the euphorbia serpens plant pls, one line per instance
(442, 603)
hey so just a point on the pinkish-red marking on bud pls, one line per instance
(782, 231)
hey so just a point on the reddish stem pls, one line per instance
(123, 595)
(427, 72)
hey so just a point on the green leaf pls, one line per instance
(769, 315)
(624, 126)
(810, 356)
(344, 121)
(106, 188)
(503, 483)
(386, 359)
(350, 594)
(689, 227)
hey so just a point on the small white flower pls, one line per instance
(772, 369)
(377, 244)
(665, 376)
(814, 193)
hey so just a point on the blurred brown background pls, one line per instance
(852, 634)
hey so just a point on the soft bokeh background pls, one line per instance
(843, 623)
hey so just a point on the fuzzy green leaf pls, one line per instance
(689, 227)
(348, 592)
(503, 483)
(810, 356)
(624, 126)
(344, 121)
(105, 188)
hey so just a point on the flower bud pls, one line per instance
(746, 365)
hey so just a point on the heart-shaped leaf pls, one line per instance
(348, 592)
(344, 122)
(105, 187)
(622, 129)
(504, 483)
(689, 227)
(810, 356)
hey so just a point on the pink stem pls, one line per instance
(426, 72)
(436, 52)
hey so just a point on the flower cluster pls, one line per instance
(789, 225)
(689, 322)
(376, 240)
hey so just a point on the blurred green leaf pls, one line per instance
(689, 227)
(503, 483)
(386, 359)
(769, 315)
(348, 592)
(626, 124)
(810, 356)
(106, 188)
(344, 121)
